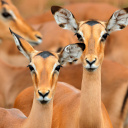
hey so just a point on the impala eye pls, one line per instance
(31, 67)
(79, 37)
(58, 68)
(6, 15)
(104, 37)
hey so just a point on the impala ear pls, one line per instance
(71, 53)
(118, 21)
(64, 18)
(23, 46)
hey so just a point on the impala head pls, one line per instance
(92, 33)
(44, 65)
(10, 17)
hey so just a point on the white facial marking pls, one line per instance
(33, 65)
(55, 65)
(47, 99)
(13, 15)
(43, 99)
(81, 33)
(40, 98)
(93, 66)
(102, 33)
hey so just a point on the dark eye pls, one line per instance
(104, 37)
(58, 68)
(79, 37)
(31, 67)
(6, 15)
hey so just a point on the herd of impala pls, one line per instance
(85, 39)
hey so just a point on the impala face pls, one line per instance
(44, 66)
(10, 17)
(93, 35)
(91, 32)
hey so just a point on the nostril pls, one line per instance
(91, 62)
(45, 94)
(87, 61)
(38, 37)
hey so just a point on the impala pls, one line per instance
(93, 33)
(44, 67)
(50, 29)
(10, 17)
(86, 110)
(116, 46)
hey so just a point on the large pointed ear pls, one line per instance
(23, 46)
(118, 20)
(64, 18)
(71, 53)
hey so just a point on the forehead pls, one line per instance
(91, 26)
(45, 54)
(45, 58)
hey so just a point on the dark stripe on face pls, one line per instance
(45, 54)
(124, 102)
(92, 22)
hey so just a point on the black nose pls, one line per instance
(90, 62)
(43, 94)
(38, 37)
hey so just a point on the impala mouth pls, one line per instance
(44, 102)
(91, 69)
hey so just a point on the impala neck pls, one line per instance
(40, 115)
(90, 106)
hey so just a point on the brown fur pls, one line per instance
(80, 11)
(98, 49)
(91, 82)
(44, 75)
(18, 25)
(117, 41)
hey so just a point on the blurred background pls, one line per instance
(30, 8)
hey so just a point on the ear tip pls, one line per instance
(54, 9)
(18, 36)
(126, 9)
(10, 30)
(82, 45)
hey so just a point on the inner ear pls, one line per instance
(71, 53)
(64, 18)
(118, 21)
